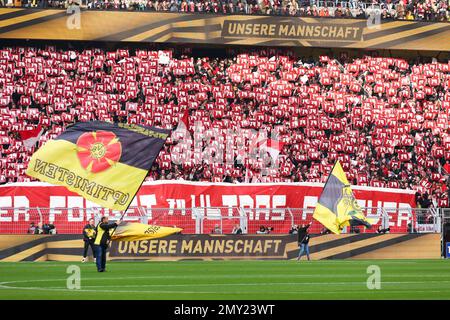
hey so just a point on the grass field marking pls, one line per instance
(2, 284)
(213, 292)
(6, 286)
(231, 276)
(231, 261)
(239, 276)
(256, 284)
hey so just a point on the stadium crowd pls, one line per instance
(419, 10)
(385, 119)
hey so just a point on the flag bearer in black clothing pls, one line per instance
(303, 240)
(102, 240)
(88, 238)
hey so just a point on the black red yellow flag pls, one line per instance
(103, 162)
(337, 206)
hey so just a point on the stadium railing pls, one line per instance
(398, 220)
(219, 220)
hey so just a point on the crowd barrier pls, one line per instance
(216, 220)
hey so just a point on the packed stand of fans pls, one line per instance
(385, 119)
(426, 10)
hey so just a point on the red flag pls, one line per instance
(30, 137)
(185, 119)
(447, 168)
(273, 147)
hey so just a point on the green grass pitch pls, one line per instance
(344, 279)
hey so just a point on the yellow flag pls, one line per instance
(337, 206)
(128, 231)
(103, 162)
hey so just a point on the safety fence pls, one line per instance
(393, 220)
(216, 220)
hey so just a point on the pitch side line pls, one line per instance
(218, 292)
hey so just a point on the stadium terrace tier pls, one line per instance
(385, 119)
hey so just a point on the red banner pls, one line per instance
(175, 196)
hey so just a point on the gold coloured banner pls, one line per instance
(292, 30)
(251, 246)
(213, 29)
(69, 247)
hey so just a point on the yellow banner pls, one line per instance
(104, 163)
(138, 231)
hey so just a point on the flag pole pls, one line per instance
(328, 178)
(142, 182)
(125, 211)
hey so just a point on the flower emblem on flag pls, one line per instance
(98, 150)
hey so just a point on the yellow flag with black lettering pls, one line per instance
(337, 206)
(130, 231)
(103, 162)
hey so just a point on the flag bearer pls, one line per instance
(303, 240)
(102, 240)
(88, 238)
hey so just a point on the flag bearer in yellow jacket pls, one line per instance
(101, 241)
